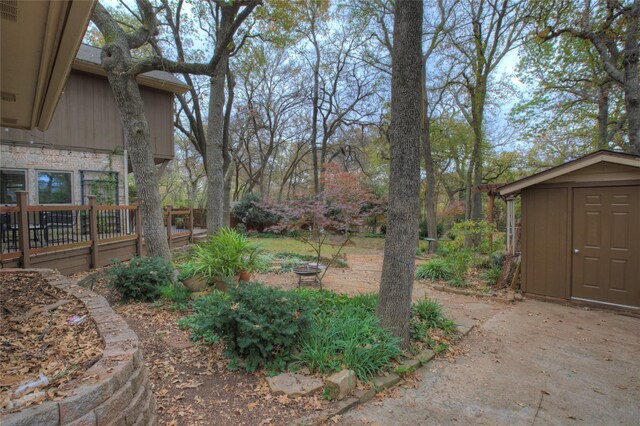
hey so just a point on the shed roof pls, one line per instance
(88, 60)
(572, 166)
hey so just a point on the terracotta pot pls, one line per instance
(245, 276)
(222, 284)
(196, 283)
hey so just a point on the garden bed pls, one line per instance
(191, 382)
(48, 340)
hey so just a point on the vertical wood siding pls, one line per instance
(545, 241)
(87, 118)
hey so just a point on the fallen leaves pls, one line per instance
(38, 340)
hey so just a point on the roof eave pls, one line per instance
(90, 67)
(577, 164)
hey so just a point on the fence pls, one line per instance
(78, 238)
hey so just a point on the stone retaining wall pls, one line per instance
(118, 391)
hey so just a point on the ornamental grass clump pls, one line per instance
(427, 314)
(346, 334)
(434, 270)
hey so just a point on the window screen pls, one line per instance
(10, 182)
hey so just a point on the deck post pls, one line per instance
(491, 202)
(23, 227)
(169, 208)
(93, 230)
(138, 225)
(191, 225)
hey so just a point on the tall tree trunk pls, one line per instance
(396, 283)
(127, 94)
(473, 208)
(314, 115)
(603, 116)
(215, 135)
(430, 189)
(226, 149)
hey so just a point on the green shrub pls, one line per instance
(250, 210)
(174, 292)
(141, 278)
(259, 324)
(368, 301)
(208, 311)
(497, 258)
(481, 229)
(435, 269)
(459, 261)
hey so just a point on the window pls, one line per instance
(10, 182)
(54, 187)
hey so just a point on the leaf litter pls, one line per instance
(47, 341)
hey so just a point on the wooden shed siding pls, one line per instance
(87, 118)
(545, 241)
(601, 172)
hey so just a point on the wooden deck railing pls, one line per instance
(75, 238)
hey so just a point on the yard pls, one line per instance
(191, 379)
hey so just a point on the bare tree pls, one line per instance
(490, 29)
(396, 283)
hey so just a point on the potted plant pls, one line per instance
(248, 264)
(221, 258)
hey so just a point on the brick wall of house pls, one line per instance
(37, 158)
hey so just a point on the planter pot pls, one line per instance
(244, 276)
(222, 284)
(196, 284)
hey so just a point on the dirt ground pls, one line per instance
(530, 363)
(363, 276)
(192, 384)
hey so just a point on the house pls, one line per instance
(83, 151)
(581, 230)
(38, 42)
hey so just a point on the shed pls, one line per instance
(580, 225)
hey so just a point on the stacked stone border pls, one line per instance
(118, 391)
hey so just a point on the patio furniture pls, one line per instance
(309, 274)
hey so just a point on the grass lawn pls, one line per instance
(358, 245)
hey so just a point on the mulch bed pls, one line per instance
(43, 332)
(191, 383)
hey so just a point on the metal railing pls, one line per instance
(27, 231)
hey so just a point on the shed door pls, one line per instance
(606, 245)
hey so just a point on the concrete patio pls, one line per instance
(529, 363)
